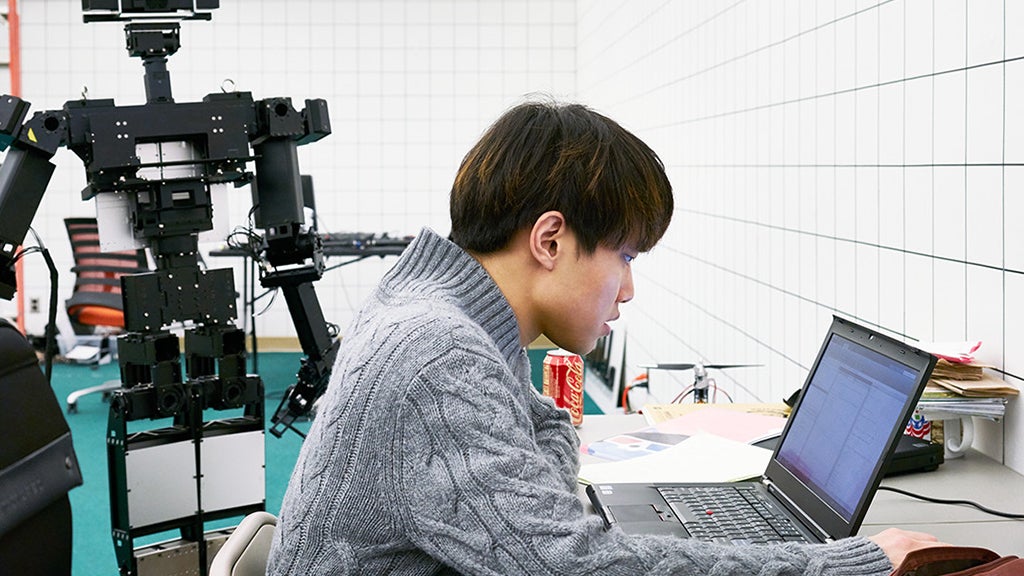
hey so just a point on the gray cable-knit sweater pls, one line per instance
(432, 453)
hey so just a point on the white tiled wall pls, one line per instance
(829, 157)
(859, 158)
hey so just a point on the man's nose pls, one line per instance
(626, 288)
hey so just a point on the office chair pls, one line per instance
(95, 307)
(245, 552)
(37, 465)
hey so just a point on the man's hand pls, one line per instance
(897, 543)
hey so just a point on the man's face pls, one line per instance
(583, 295)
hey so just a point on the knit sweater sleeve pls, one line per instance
(556, 438)
(477, 495)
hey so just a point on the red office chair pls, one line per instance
(95, 308)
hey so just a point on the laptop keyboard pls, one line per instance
(729, 515)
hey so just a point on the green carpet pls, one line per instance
(93, 553)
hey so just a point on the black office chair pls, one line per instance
(37, 465)
(95, 308)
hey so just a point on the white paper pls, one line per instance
(699, 458)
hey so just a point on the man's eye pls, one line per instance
(628, 258)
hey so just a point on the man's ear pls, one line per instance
(546, 238)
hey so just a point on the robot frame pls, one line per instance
(133, 154)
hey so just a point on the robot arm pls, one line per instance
(24, 175)
(292, 256)
(319, 346)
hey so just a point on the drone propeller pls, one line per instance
(701, 381)
(672, 366)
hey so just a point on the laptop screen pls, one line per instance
(843, 427)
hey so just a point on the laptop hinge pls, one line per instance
(794, 510)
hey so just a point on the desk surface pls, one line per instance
(973, 477)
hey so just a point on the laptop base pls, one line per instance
(642, 509)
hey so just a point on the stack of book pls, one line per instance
(964, 389)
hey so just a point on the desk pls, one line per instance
(974, 477)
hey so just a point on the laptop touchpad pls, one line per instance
(636, 513)
(644, 519)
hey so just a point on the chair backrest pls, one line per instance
(96, 300)
(245, 552)
(37, 465)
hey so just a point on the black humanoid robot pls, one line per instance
(161, 158)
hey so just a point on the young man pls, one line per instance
(432, 452)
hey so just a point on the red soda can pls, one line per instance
(563, 381)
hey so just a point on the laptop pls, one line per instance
(826, 466)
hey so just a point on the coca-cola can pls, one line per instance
(563, 381)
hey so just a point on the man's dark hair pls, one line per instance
(541, 156)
